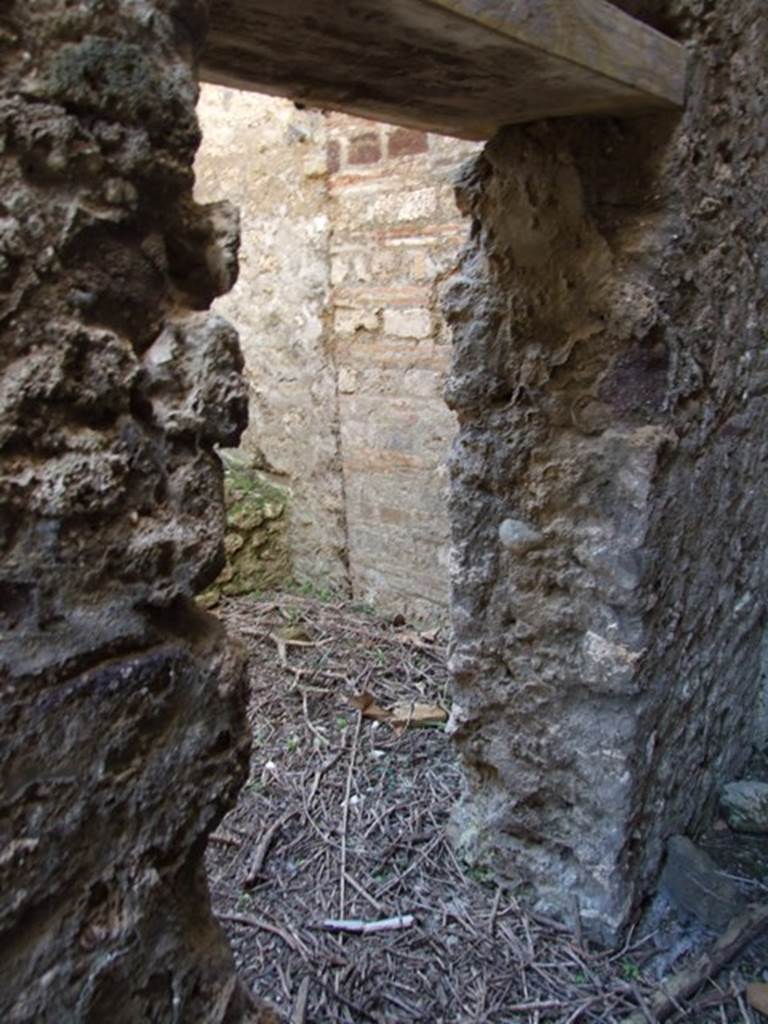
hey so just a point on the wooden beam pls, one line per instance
(592, 34)
(459, 67)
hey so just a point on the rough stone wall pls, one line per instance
(396, 233)
(270, 159)
(123, 738)
(609, 504)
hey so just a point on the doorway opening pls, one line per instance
(349, 229)
(337, 544)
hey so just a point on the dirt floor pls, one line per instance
(343, 820)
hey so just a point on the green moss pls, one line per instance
(117, 79)
(244, 516)
(256, 543)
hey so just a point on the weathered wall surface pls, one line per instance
(349, 227)
(609, 503)
(396, 234)
(270, 159)
(123, 738)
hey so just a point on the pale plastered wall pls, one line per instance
(268, 158)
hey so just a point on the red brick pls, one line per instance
(364, 149)
(333, 156)
(406, 142)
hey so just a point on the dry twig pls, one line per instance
(387, 924)
(259, 858)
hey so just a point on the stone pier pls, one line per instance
(609, 501)
(123, 736)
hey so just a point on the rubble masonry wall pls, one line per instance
(609, 506)
(123, 736)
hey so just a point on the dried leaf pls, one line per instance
(757, 997)
(410, 714)
(361, 700)
(405, 714)
(410, 637)
(423, 641)
(368, 708)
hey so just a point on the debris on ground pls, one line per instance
(333, 877)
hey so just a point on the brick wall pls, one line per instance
(395, 234)
(390, 235)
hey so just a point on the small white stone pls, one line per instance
(347, 380)
(518, 536)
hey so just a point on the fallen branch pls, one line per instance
(387, 924)
(345, 816)
(257, 864)
(740, 932)
(266, 926)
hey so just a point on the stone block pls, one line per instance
(123, 736)
(417, 204)
(350, 321)
(607, 680)
(698, 887)
(408, 323)
(333, 150)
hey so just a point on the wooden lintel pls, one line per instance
(459, 67)
(592, 34)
